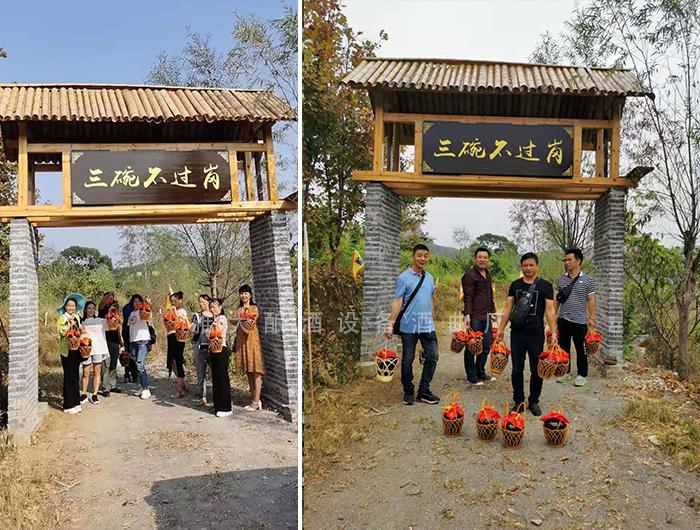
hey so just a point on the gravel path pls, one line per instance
(406, 474)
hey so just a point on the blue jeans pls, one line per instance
(475, 365)
(139, 351)
(430, 356)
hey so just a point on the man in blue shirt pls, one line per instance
(416, 323)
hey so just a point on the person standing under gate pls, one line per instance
(218, 362)
(176, 349)
(249, 357)
(114, 344)
(70, 359)
(412, 312)
(201, 322)
(478, 308)
(139, 340)
(130, 371)
(95, 329)
(527, 336)
(575, 306)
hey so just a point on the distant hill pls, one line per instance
(440, 250)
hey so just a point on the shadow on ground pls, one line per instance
(250, 499)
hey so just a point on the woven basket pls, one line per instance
(513, 439)
(181, 334)
(170, 325)
(216, 344)
(561, 369)
(556, 437)
(113, 324)
(476, 346)
(386, 368)
(452, 427)
(498, 363)
(85, 350)
(486, 431)
(592, 348)
(73, 343)
(546, 369)
(124, 360)
(145, 314)
(456, 345)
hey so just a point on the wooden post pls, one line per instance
(233, 170)
(577, 151)
(599, 155)
(258, 175)
(65, 169)
(309, 366)
(31, 196)
(22, 165)
(271, 167)
(395, 147)
(418, 147)
(249, 191)
(379, 132)
(615, 142)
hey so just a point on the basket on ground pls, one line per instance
(556, 428)
(513, 428)
(487, 421)
(453, 416)
(386, 361)
(459, 341)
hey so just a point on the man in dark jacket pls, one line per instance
(478, 308)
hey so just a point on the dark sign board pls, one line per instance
(453, 148)
(106, 178)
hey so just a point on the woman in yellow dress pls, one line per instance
(249, 357)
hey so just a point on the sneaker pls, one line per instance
(106, 393)
(73, 411)
(580, 381)
(138, 392)
(80, 409)
(428, 397)
(487, 378)
(565, 379)
(83, 398)
(146, 394)
(94, 400)
(407, 398)
(475, 383)
(222, 414)
(535, 409)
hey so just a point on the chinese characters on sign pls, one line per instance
(452, 148)
(101, 178)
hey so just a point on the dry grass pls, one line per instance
(175, 440)
(677, 431)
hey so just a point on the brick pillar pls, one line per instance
(24, 412)
(274, 294)
(382, 233)
(608, 254)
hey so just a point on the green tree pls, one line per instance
(86, 257)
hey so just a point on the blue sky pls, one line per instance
(49, 41)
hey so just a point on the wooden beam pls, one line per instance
(577, 150)
(271, 164)
(410, 118)
(22, 165)
(58, 222)
(615, 142)
(178, 146)
(418, 147)
(65, 181)
(552, 194)
(249, 187)
(599, 157)
(233, 169)
(378, 155)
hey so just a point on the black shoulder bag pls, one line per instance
(397, 323)
(563, 294)
(521, 308)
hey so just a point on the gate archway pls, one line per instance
(488, 130)
(134, 155)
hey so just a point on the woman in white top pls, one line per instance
(139, 339)
(95, 329)
(220, 383)
(176, 349)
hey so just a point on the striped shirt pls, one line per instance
(575, 309)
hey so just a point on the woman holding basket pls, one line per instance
(248, 349)
(95, 329)
(68, 326)
(219, 356)
(176, 348)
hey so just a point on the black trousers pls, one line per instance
(475, 365)
(71, 379)
(524, 343)
(176, 355)
(430, 359)
(570, 330)
(220, 383)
